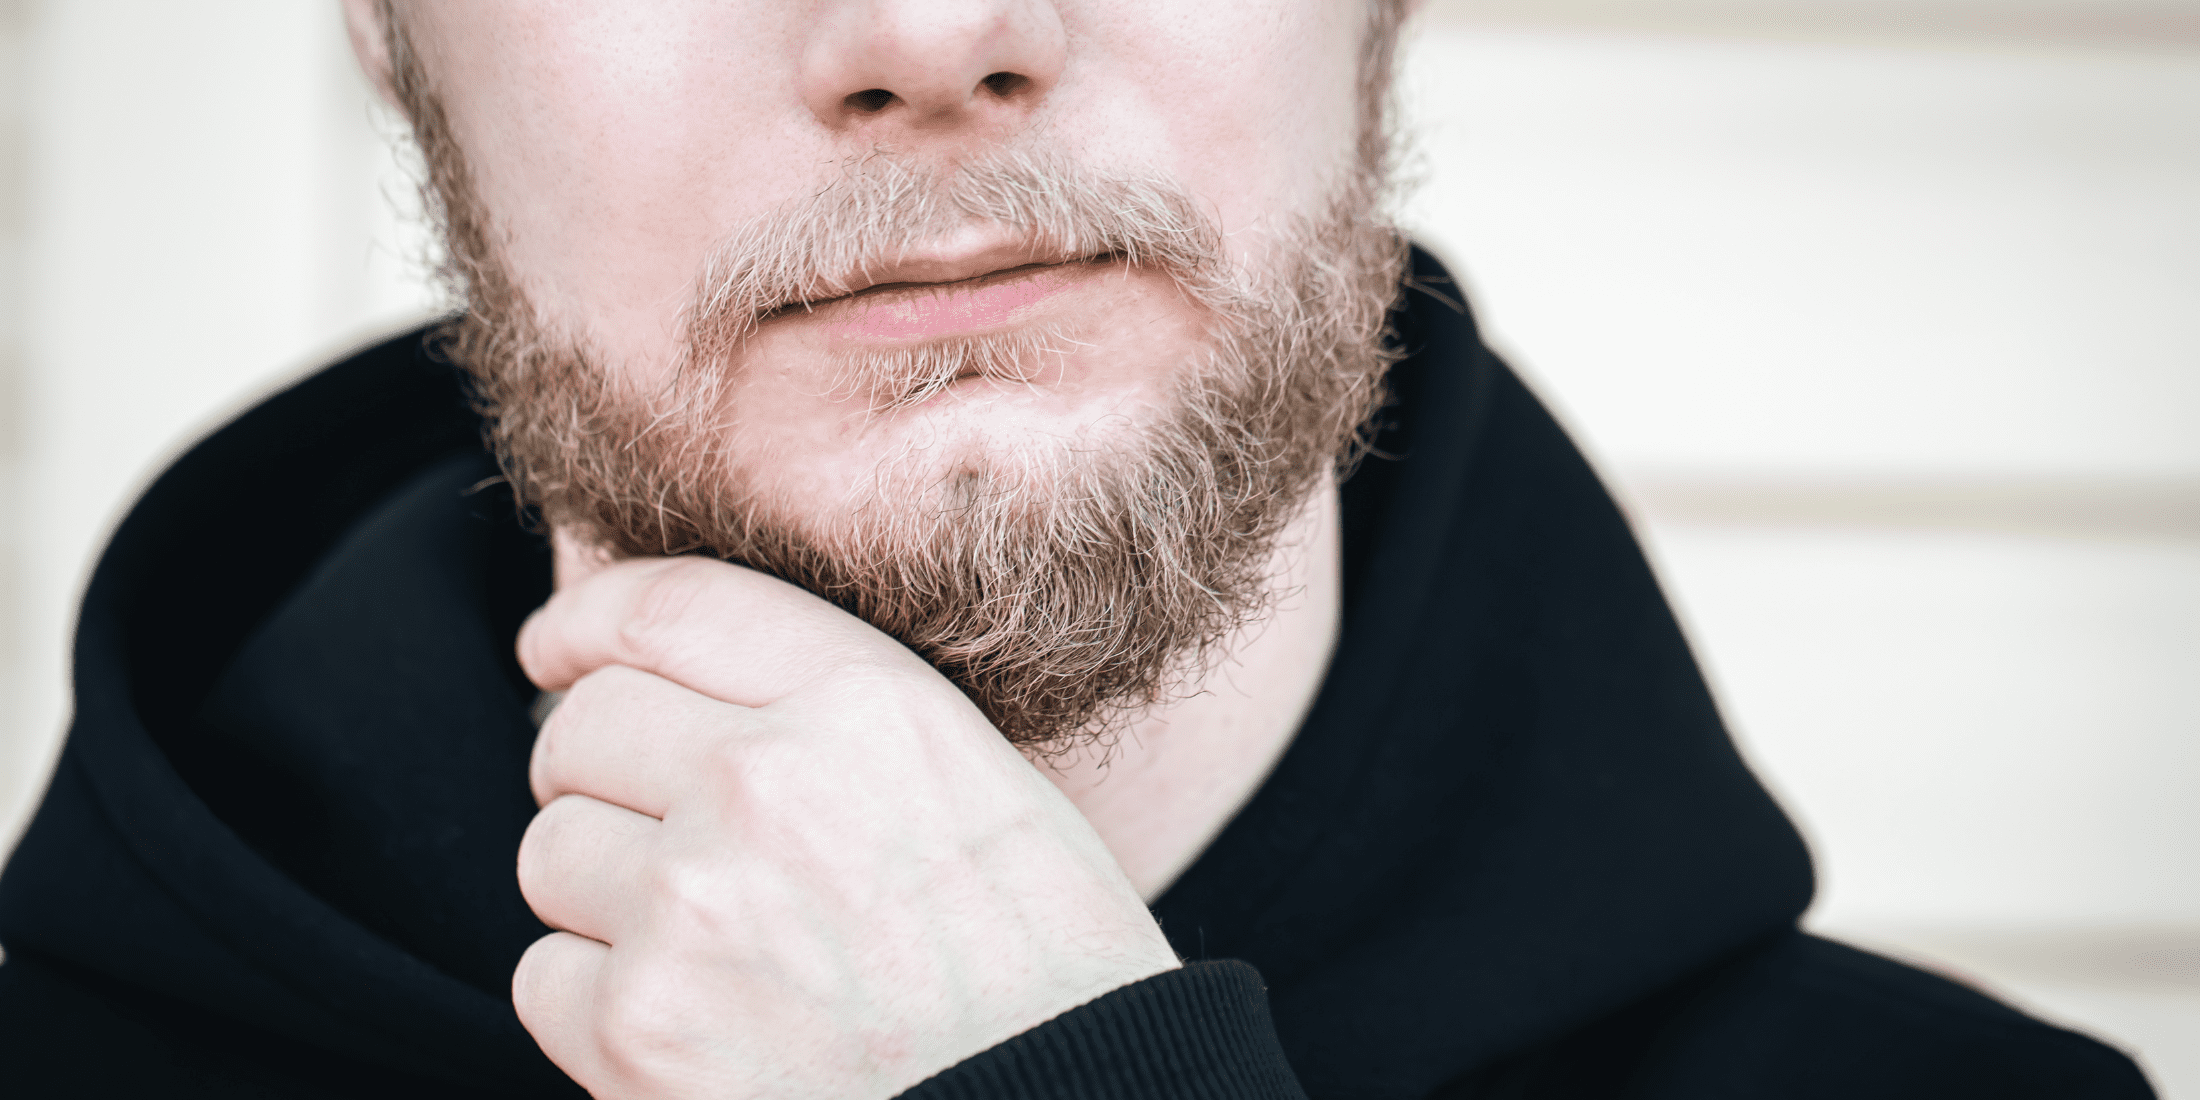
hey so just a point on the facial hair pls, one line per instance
(1064, 585)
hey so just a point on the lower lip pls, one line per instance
(954, 309)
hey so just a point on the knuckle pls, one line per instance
(687, 893)
(546, 765)
(883, 689)
(603, 696)
(529, 865)
(527, 983)
(591, 706)
(876, 668)
(728, 757)
(723, 769)
(578, 707)
(639, 1024)
(664, 602)
(553, 740)
(552, 978)
(538, 848)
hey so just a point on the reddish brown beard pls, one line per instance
(1064, 588)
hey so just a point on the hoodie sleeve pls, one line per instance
(1202, 1032)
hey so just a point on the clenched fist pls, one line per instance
(787, 856)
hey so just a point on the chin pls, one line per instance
(990, 436)
(823, 425)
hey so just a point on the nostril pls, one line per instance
(870, 101)
(1006, 84)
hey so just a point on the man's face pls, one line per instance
(617, 144)
(924, 304)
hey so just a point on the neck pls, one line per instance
(1161, 793)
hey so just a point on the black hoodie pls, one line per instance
(1512, 852)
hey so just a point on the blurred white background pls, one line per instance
(1882, 316)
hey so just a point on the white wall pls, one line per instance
(1892, 344)
(206, 217)
(1800, 268)
(1881, 316)
(14, 220)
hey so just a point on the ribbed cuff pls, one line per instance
(1199, 1032)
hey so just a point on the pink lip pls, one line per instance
(931, 311)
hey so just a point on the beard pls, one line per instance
(1064, 584)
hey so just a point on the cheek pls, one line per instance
(1254, 106)
(613, 144)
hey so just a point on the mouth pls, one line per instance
(941, 295)
(917, 311)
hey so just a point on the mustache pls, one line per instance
(882, 209)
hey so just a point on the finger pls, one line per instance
(731, 633)
(554, 991)
(633, 739)
(581, 866)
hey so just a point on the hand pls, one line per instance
(788, 857)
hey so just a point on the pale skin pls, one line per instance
(787, 857)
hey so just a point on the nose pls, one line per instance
(932, 64)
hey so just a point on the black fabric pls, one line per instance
(1802, 1017)
(1200, 1033)
(1511, 853)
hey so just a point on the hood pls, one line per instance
(295, 783)
(1513, 808)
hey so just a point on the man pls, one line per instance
(922, 628)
